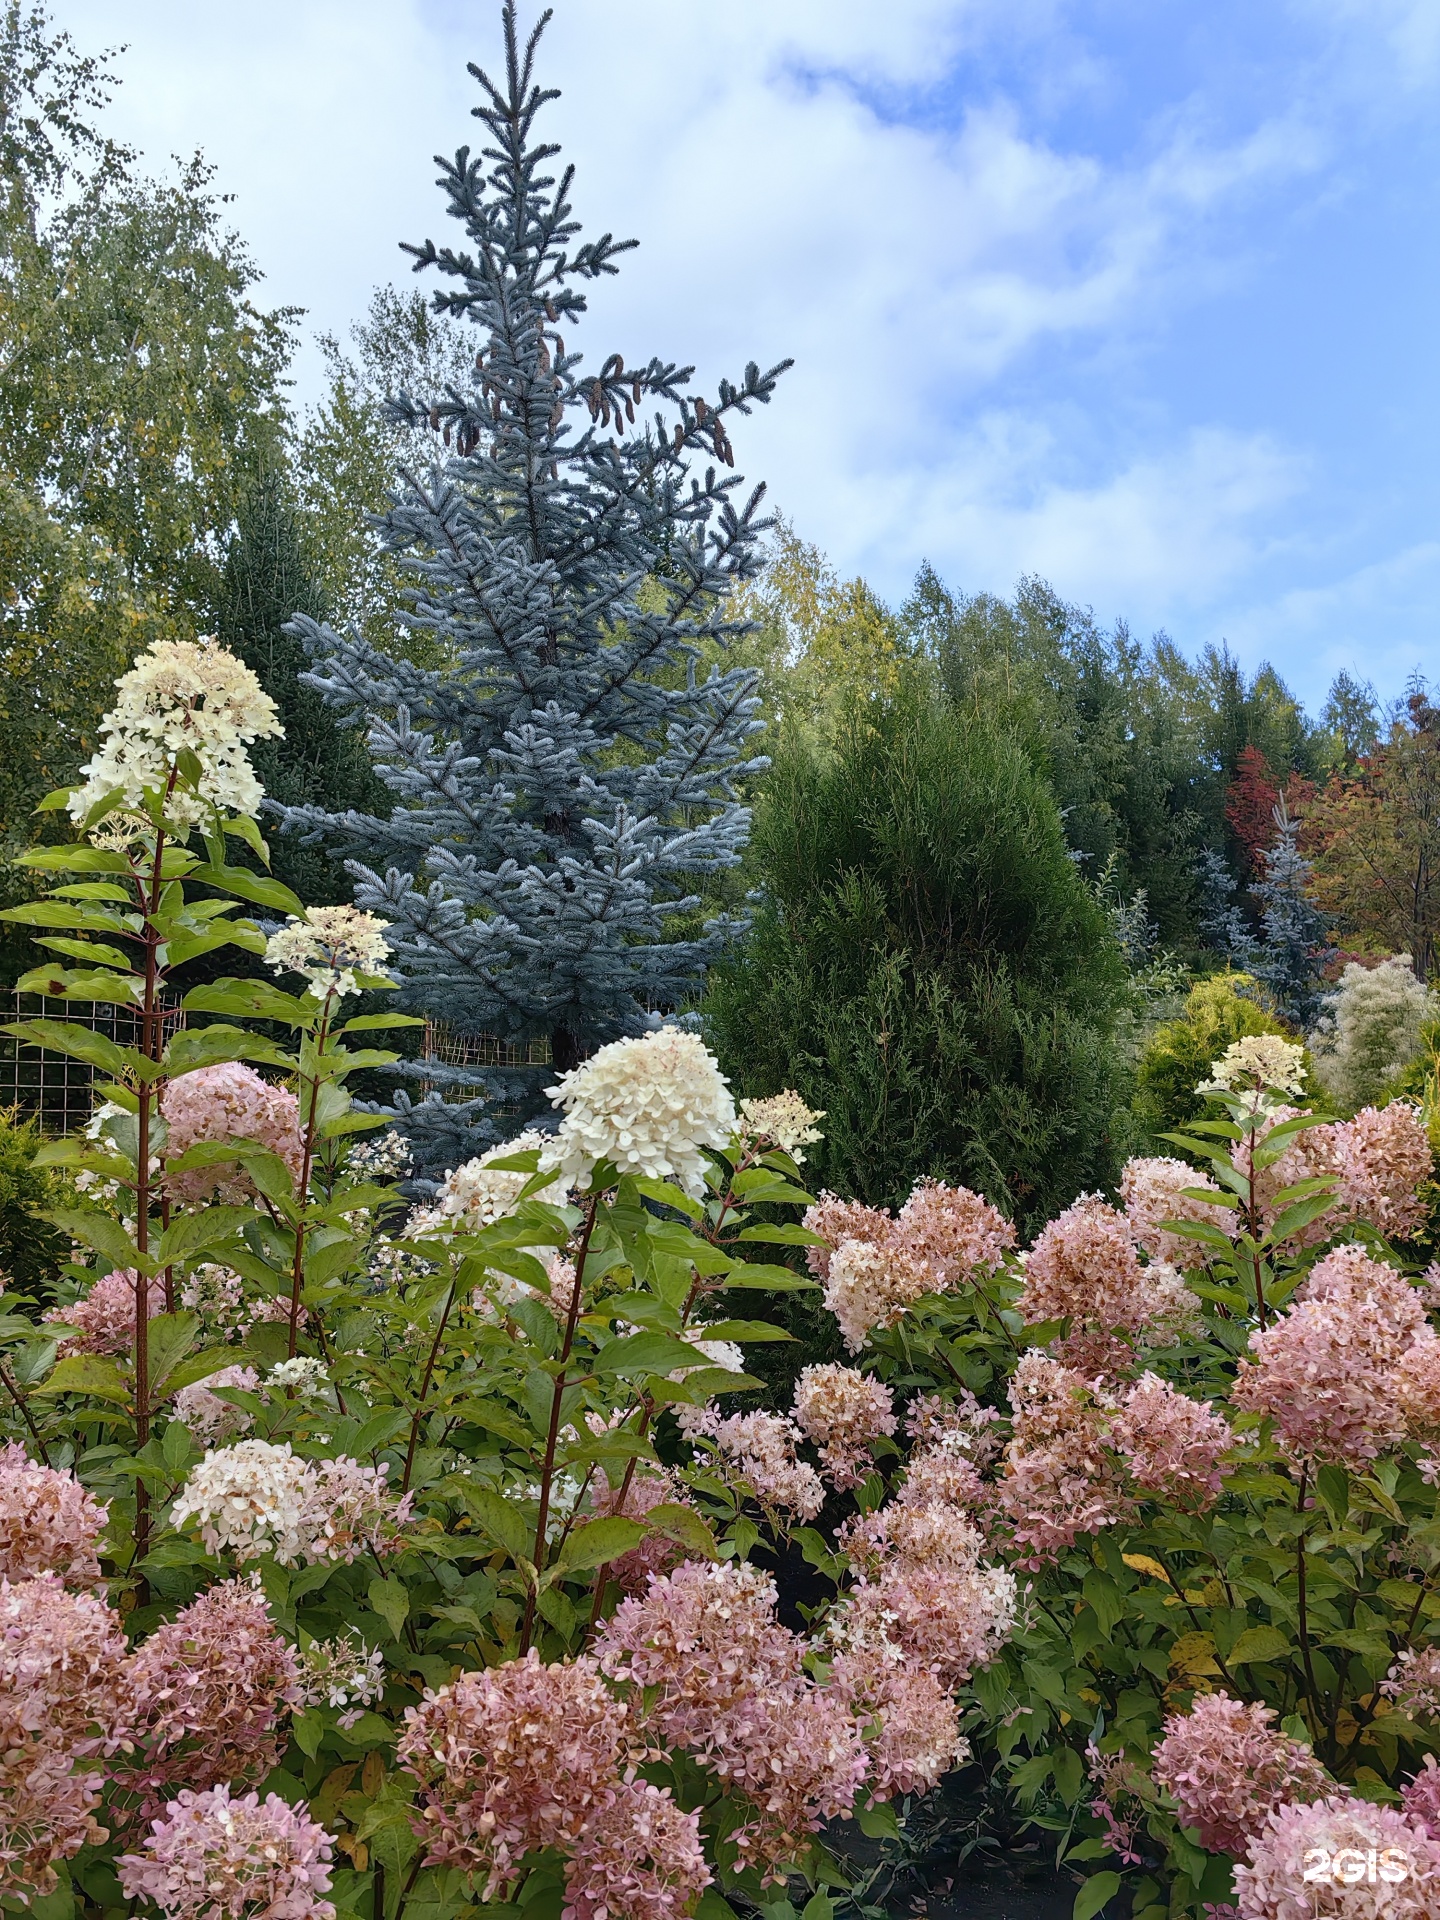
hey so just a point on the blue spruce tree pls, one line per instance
(1296, 948)
(570, 772)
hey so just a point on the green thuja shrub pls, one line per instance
(927, 966)
(31, 1250)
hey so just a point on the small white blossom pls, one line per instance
(181, 695)
(303, 1374)
(342, 1673)
(784, 1120)
(1259, 1059)
(328, 946)
(647, 1105)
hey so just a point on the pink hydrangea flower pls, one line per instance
(1324, 1371)
(227, 1102)
(719, 1676)
(104, 1320)
(641, 1857)
(1421, 1798)
(60, 1657)
(953, 1232)
(1274, 1885)
(1413, 1683)
(842, 1410)
(759, 1448)
(212, 1420)
(940, 1605)
(907, 1718)
(1084, 1267)
(203, 1696)
(1171, 1444)
(1154, 1190)
(1384, 1157)
(1417, 1389)
(1061, 1478)
(48, 1522)
(60, 1662)
(214, 1857)
(956, 1422)
(511, 1759)
(1228, 1769)
(837, 1221)
(876, 1268)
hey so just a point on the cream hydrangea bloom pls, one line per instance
(649, 1105)
(327, 946)
(181, 695)
(784, 1120)
(1260, 1058)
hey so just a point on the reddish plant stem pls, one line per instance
(552, 1437)
(151, 1039)
(425, 1391)
(25, 1413)
(297, 1275)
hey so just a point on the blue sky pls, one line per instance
(1140, 295)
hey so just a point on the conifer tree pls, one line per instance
(566, 778)
(267, 581)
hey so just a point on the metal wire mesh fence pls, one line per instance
(452, 1048)
(53, 1087)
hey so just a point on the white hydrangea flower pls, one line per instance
(720, 1353)
(1262, 1059)
(304, 1373)
(478, 1193)
(342, 1673)
(248, 1499)
(649, 1105)
(179, 695)
(784, 1120)
(328, 946)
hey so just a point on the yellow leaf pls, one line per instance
(1142, 1563)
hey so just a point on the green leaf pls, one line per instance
(1292, 1219)
(391, 1601)
(500, 1518)
(309, 1731)
(878, 1822)
(768, 1279)
(669, 1196)
(172, 1335)
(176, 1448)
(1099, 1888)
(212, 1046)
(686, 1527)
(98, 1230)
(62, 1036)
(1260, 1643)
(377, 1022)
(252, 999)
(740, 1330)
(637, 1353)
(246, 885)
(785, 1233)
(194, 1231)
(200, 1366)
(598, 1542)
(92, 1374)
(1105, 1597)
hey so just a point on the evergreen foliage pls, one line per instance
(268, 581)
(1295, 949)
(32, 1251)
(928, 965)
(563, 776)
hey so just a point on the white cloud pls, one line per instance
(920, 273)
